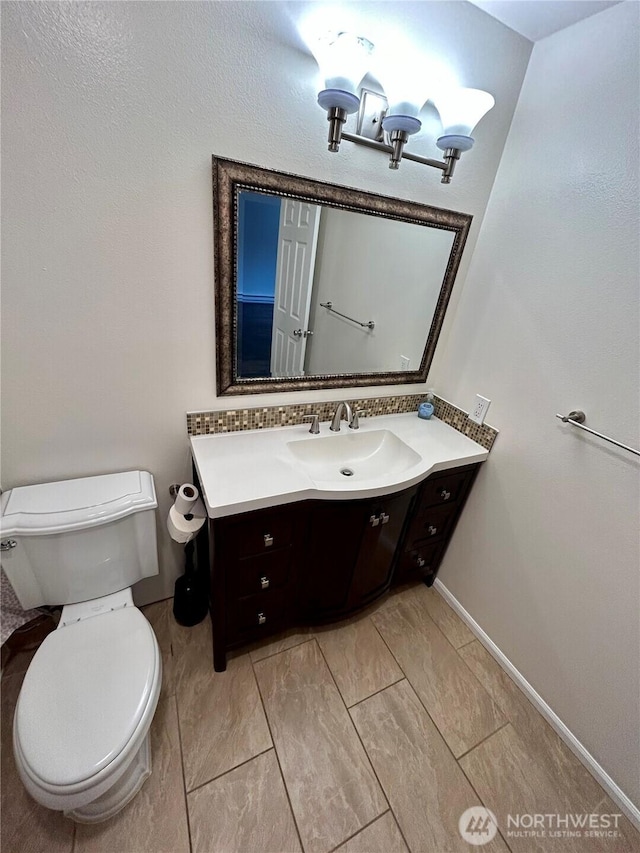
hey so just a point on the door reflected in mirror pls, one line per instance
(321, 286)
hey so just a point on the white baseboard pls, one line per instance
(583, 754)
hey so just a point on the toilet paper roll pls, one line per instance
(185, 499)
(180, 529)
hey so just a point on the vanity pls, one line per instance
(308, 525)
(292, 539)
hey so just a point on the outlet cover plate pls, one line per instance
(479, 411)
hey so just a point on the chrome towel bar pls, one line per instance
(577, 419)
(329, 306)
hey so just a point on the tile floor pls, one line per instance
(370, 736)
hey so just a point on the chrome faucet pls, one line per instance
(341, 408)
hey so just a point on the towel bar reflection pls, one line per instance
(577, 419)
(329, 306)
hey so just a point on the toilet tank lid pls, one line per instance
(79, 504)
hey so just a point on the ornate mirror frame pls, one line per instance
(229, 179)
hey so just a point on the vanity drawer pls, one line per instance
(418, 562)
(262, 534)
(257, 614)
(432, 523)
(257, 574)
(441, 490)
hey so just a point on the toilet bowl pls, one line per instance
(81, 725)
(82, 719)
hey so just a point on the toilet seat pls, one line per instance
(86, 705)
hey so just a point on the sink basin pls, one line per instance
(354, 456)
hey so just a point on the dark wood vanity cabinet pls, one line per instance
(317, 561)
(435, 513)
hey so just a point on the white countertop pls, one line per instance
(254, 469)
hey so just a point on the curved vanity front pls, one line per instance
(310, 528)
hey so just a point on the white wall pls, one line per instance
(372, 268)
(111, 113)
(546, 557)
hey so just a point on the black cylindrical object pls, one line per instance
(191, 594)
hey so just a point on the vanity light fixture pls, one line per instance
(386, 123)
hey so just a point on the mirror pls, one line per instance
(322, 286)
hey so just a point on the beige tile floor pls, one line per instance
(369, 736)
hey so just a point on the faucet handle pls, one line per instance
(315, 423)
(355, 420)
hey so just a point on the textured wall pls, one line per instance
(546, 556)
(111, 113)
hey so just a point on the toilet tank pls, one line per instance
(75, 540)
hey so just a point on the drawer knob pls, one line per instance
(421, 562)
(374, 521)
(264, 583)
(384, 518)
(445, 495)
(431, 530)
(261, 618)
(268, 540)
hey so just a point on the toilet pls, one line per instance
(81, 724)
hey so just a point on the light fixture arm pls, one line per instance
(451, 156)
(336, 116)
(399, 139)
(446, 166)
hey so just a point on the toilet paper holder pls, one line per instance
(187, 515)
(191, 598)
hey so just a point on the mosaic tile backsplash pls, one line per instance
(264, 417)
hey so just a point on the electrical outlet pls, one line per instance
(404, 362)
(479, 411)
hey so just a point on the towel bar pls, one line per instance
(577, 419)
(329, 306)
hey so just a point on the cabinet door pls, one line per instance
(335, 532)
(384, 523)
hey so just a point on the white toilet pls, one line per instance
(81, 725)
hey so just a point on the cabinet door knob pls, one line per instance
(261, 618)
(420, 561)
(268, 540)
(384, 518)
(445, 495)
(431, 530)
(264, 582)
(374, 521)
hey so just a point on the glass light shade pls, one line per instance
(405, 91)
(461, 110)
(343, 59)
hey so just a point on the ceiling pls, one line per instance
(536, 19)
